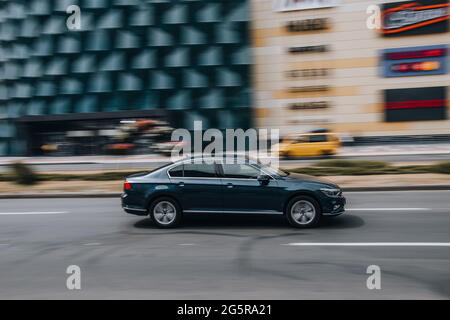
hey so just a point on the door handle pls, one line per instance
(230, 185)
(181, 184)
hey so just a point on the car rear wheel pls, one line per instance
(165, 213)
(303, 212)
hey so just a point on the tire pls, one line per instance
(303, 212)
(165, 213)
(327, 154)
(288, 156)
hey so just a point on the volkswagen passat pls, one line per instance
(199, 186)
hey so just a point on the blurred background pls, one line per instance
(359, 90)
(319, 71)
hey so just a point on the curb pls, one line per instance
(118, 194)
(398, 188)
(59, 195)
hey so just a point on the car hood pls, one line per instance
(304, 177)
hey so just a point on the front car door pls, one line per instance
(242, 192)
(301, 147)
(319, 144)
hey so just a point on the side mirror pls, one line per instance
(263, 179)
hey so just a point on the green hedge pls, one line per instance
(358, 168)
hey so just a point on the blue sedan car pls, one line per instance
(218, 186)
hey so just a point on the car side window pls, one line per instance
(240, 171)
(194, 170)
(176, 172)
(318, 138)
(301, 140)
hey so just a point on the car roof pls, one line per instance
(220, 156)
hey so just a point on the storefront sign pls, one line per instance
(315, 105)
(416, 104)
(293, 5)
(308, 25)
(310, 121)
(309, 89)
(415, 61)
(308, 73)
(309, 49)
(415, 17)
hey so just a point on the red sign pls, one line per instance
(415, 17)
(416, 54)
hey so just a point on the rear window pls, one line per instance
(176, 172)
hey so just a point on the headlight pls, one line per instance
(330, 192)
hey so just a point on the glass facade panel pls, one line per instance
(188, 60)
(112, 62)
(84, 64)
(209, 13)
(100, 82)
(69, 45)
(110, 20)
(145, 60)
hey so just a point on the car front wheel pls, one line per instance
(303, 212)
(165, 213)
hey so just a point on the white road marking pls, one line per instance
(32, 213)
(92, 244)
(388, 209)
(186, 244)
(369, 244)
(395, 191)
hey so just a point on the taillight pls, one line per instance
(127, 186)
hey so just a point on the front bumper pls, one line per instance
(334, 207)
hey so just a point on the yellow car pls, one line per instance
(310, 145)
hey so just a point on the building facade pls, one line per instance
(292, 65)
(181, 60)
(334, 64)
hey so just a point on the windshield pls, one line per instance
(274, 171)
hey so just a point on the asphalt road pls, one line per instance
(231, 257)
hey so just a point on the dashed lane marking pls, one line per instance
(33, 213)
(369, 244)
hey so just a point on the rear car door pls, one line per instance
(199, 187)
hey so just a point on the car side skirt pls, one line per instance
(232, 212)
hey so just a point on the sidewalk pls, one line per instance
(358, 151)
